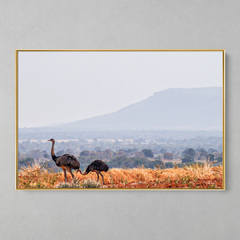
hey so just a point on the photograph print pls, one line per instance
(120, 119)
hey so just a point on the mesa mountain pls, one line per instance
(171, 109)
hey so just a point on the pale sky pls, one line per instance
(57, 87)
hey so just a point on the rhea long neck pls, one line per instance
(52, 152)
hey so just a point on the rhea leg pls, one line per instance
(70, 171)
(97, 176)
(102, 178)
(72, 174)
(65, 174)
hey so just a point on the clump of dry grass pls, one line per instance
(35, 176)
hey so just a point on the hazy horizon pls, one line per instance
(62, 87)
(54, 124)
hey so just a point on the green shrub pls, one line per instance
(169, 164)
(25, 162)
(219, 159)
(74, 184)
(90, 184)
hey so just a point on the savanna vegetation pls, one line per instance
(134, 163)
(190, 176)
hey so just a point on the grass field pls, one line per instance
(194, 176)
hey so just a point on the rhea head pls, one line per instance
(52, 140)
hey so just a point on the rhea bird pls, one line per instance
(67, 161)
(97, 166)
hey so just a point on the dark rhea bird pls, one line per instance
(97, 166)
(67, 161)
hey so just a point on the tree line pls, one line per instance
(126, 158)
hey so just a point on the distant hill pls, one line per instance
(175, 108)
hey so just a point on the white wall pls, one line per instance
(124, 24)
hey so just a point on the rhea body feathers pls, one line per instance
(67, 161)
(97, 166)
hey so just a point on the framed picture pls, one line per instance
(120, 119)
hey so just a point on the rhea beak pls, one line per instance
(49, 140)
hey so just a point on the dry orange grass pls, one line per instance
(37, 177)
(194, 176)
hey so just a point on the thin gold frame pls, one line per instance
(120, 50)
